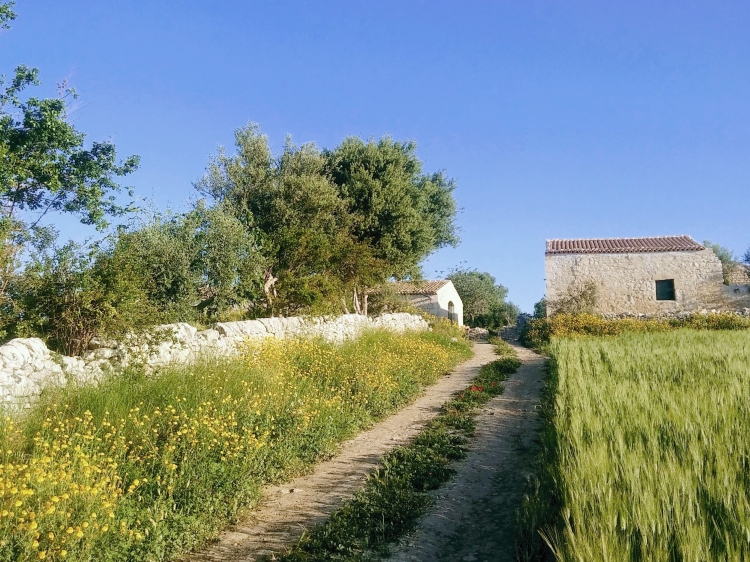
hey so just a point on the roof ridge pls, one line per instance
(622, 238)
(637, 244)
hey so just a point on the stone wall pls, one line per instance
(27, 366)
(740, 275)
(626, 283)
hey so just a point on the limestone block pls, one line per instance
(275, 326)
(243, 328)
(73, 365)
(181, 331)
(294, 325)
(15, 353)
(102, 353)
(36, 347)
(207, 336)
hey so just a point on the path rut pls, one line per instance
(288, 510)
(474, 515)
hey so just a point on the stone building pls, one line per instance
(652, 276)
(438, 298)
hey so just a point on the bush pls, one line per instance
(72, 294)
(540, 308)
(194, 267)
(538, 332)
(578, 299)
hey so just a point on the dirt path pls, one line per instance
(297, 506)
(474, 515)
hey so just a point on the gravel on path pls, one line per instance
(473, 519)
(289, 510)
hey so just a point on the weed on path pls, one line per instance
(287, 510)
(474, 517)
(397, 494)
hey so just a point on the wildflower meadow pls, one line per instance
(146, 467)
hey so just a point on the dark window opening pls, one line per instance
(665, 290)
(452, 312)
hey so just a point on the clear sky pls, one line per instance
(557, 119)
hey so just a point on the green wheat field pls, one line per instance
(648, 447)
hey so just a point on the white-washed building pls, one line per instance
(438, 298)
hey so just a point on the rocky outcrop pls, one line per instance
(27, 366)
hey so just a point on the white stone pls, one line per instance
(26, 365)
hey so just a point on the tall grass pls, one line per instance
(143, 468)
(647, 451)
(538, 332)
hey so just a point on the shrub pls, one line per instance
(195, 266)
(538, 332)
(540, 308)
(578, 299)
(72, 294)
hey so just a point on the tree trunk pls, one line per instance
(269, 287)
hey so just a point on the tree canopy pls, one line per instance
(484, 301)
(46, 167)
(726, 256)
(328, 222)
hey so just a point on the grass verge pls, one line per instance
(645, 450)
(538, 332)
(144, 468)
(395, 496)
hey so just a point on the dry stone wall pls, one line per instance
(626, 283)
(27, 366)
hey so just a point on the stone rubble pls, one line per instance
(27, 366)
(683, 314)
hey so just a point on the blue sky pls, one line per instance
(557, 119)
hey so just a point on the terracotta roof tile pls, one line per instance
(418, 287)
(623, 245)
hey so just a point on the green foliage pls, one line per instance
(71, 294)
(579, 298)
(645, 450)
(198, 267)
(173, 456)
(330, 224)
(9, 249)
(726, 257)
(195, 266)
(483, 301)
(43, 163)
(540, 308)
(395, 496)
(399, 212)
(6, 14)
(538, 332)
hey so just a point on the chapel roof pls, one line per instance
(682, 243)
(418, 287)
